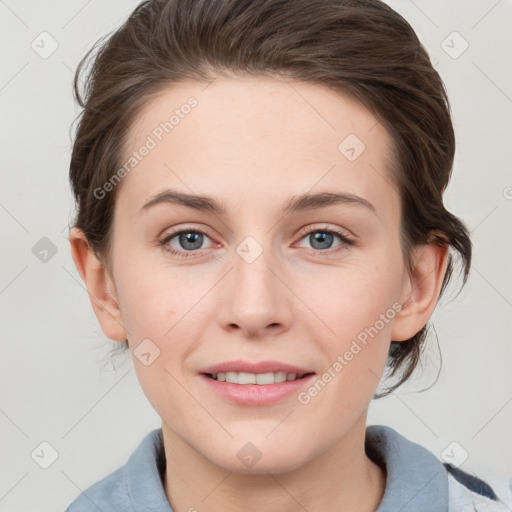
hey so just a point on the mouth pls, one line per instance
(261, 379)
(256, 384)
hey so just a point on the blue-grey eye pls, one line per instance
(191, 240)
(321, 240)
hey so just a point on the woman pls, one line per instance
(261, 223)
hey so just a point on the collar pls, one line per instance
(144, 472)
(416, 479)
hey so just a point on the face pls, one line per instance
(240, 277)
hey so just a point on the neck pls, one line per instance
(341, 478)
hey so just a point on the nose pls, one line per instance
(255, 298)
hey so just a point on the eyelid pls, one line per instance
(186, 228)
(324, 227)
(306, 230)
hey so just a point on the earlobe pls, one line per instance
(422, 290)
(100, 286)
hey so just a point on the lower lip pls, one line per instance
(257, 394)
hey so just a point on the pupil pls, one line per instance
(187, 240)
(321, 237)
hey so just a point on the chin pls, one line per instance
(253, 460)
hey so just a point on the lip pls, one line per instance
(256, 394)
(260, 367)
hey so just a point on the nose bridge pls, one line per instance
(257, 298)
(254, 282)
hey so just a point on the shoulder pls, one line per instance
(136, 485)
(441, 485)
(106, 495)
(468, 492)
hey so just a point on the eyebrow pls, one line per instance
(295, 204)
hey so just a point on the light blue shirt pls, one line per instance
(416, 480)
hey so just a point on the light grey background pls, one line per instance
(57, 382)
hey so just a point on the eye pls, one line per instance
(323, 238)
(188, 241)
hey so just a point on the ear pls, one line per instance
(421, 291)
(100, 286)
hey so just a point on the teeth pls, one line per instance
(253, 378)
(244, 378)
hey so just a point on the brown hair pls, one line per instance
(362, 48)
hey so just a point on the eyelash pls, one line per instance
(185, 254)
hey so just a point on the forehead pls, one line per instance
(248, 139)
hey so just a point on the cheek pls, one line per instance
(157, 323)
(158, 310)
(149, 299)
(357, 311)
(351, 299)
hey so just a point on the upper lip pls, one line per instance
(259, 367)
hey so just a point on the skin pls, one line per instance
(254, 143)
